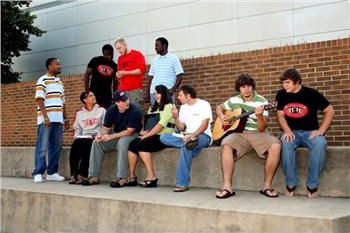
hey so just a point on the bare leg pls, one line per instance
(271, 166)
(227, 165)
(147, 160)
(132, 159)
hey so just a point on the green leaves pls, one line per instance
(16, 29)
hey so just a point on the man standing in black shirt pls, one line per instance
(100, 76)
(297, 116)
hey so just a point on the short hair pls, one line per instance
(189, 90)
(49, 61)
(83, 96)
(163, 41)
(291, 74)
(107, 47)
(120, 40)
(244, 79)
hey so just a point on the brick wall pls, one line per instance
(323, 65)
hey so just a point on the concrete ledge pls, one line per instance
(59, 207)
(206, 169)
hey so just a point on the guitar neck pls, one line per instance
(244, 114)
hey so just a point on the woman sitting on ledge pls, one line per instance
(158, 120)
(88, 122)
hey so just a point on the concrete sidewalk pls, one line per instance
(60, 207)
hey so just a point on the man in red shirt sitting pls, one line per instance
(131, 69)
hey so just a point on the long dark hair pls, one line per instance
(165, 98)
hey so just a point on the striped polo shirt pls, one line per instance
(237, 102)
(51, 90)
(164, 70)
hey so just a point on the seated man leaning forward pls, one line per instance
(158, 120)
(254, 136)
(125, 118)
(194, 118)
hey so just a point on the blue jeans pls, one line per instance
(49, 140)
(183, 177)
(317, 155)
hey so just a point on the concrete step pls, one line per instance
(206, 169)
(60, 207)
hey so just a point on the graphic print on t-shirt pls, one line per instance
(295, 110)
(105, 70)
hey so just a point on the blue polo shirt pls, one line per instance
(164, 70)
(131, 118)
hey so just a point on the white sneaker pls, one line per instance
(55, 177)
(38, 178)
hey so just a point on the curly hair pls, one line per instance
(244, 79)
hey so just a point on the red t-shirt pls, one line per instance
(131, 61)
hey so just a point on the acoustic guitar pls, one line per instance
(237, 120)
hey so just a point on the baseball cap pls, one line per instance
(120, 96)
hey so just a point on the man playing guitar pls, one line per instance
(254, 136)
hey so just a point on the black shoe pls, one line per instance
(119, 182)
(149, 183)
(132, 181)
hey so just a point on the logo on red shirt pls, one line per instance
(295, 110)
(105, 70)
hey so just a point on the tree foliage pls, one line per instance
(16, 28)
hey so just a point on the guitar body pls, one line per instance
(220, 131)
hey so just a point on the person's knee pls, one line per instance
(319, 142)
(274, 149)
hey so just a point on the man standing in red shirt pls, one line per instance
(131, 69)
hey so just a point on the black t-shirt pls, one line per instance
(131, 118)
(103, 73)
(300, 109)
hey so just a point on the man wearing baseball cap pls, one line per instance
(121, 125)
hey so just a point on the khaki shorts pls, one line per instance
(249, 140)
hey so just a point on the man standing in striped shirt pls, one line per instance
(254, 136)
(165, 70)
(51, 118)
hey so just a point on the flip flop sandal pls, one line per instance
(72, 180)
(290, 191)
(226, 195)
(265, 193)
(312, 192)
(180, 189)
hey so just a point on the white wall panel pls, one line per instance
(324, 18)
(265, 27)
(62, 18)
(122, 7)
(33, 62)
(249, 7)
(84, 53)
(214, 34)
(129, 25)
(93, 11)
(61, 38)
(93, 32)
(167, 18)
(265, 44)
(321, 36)
(178, 40)
(66, 55)
(205, 12)
(308, 3)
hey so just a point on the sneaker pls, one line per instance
(55, 177)
(38, 178)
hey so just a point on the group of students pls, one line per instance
(120, 127)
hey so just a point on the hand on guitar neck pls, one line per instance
(234, 121)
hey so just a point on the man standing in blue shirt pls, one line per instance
(125, 120)
(165, 70)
